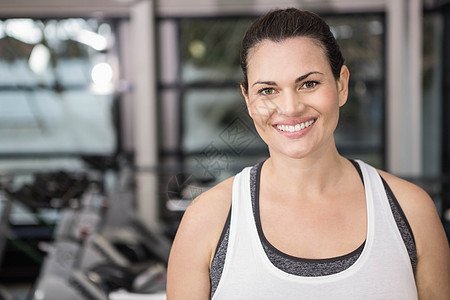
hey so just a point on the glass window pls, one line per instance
(219, 117)
(361, 127)
(44, 122)
(56, 87)
(210, 49)
(432, 105)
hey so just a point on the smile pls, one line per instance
(296, 127)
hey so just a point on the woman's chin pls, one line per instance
(290, 153)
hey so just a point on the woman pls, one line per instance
(307, 223)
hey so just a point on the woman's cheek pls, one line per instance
(262, 109)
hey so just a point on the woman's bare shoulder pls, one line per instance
(414, 201)
(419, 209)
(407, 193)
(205, 217)
(214, 202)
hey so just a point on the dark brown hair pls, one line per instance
(279, 25)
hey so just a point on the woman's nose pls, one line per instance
(291, 104)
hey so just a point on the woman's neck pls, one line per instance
(315, 173)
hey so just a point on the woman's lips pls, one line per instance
(294, 129)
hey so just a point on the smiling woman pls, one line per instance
(307, 222)
(293, 88)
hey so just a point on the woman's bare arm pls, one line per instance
(433, 254)
(195, 244)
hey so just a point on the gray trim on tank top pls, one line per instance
(300, 266)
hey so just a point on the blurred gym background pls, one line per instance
(115, 114)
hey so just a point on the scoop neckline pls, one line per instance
(265, 242)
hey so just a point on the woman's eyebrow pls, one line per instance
(265, 82)
(301, 78)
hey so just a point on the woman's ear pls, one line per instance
(245, 94)
(342, 85)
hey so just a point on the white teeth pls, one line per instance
(297, 127)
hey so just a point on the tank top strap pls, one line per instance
(381, 222)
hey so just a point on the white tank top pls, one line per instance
(383, 270)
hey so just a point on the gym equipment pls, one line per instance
(5, 210)
(59, 278)
(101, 247)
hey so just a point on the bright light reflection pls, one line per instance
(102, 73)
(197, 49)
(92, 39)
(39, 59)
(24, 30)
(39, 294)
(102, 76)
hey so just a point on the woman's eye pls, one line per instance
(267, 91)
(310, 84)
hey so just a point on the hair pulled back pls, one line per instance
(279, 25)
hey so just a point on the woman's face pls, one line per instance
(293, 97)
